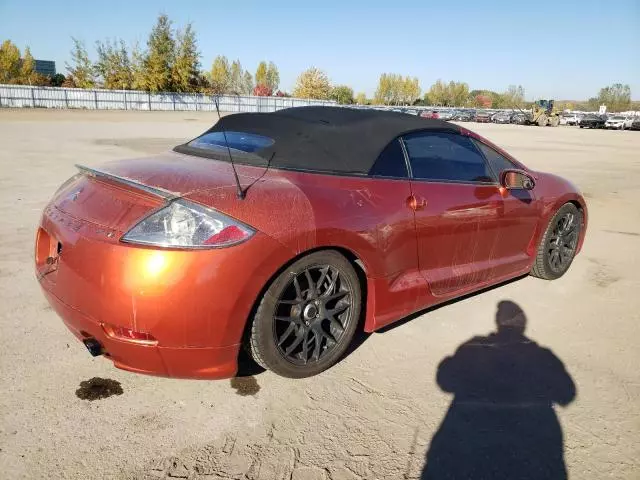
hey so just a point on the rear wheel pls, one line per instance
(555, 121)
(559, 243)
(542, 120)
(307, 317)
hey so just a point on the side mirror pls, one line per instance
(516, 180)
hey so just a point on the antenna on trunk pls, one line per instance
(240, 193)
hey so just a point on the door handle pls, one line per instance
(416, 203)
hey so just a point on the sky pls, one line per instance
(560, 49)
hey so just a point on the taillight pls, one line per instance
(183, 224)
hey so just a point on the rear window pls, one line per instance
(239, 141)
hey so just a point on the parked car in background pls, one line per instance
(592, 121)
(573, 118)
(446, 114)
(619, 122)
(519, 119)
(464, 116)
(430, 114)
(635, 125)
(483, 117)
(502, 117)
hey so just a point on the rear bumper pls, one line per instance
(193, 304)
(203, 363)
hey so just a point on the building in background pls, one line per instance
(46, 67)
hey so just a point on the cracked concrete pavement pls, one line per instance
(375, 414)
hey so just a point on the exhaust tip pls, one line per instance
(94, 347)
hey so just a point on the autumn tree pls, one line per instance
(361, 98)
(410, 90)
(342, 94)
(220, 75)
(160, 56)
(513, 97)
(272, 76)
(394, 89)
(261, 90)
(185, 72)
(312, 83)
(261, 74)
(113, 66)
(138, 75)
(247, 83)
(452, 94)
(81, 71)
(616, 97)
(28, 68)
(9, 62)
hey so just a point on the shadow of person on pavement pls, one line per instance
(501, 423)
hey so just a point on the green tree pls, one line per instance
(81, 71)
(9, 62)
(458, 94)
(312, 83)
(616, 97)
(138, 76)
(452, 94)
(247, 83)
(113, 66)
(160, 56)
(261, 74)
(383, 91)
(236, 78)
(361, 98)
(437, 94)
(185, 71)
(342, 94)
(410, 90)
(513, 97)
(220, 75)
(57, 80)
(272, 76)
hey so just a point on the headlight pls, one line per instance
(183, 224)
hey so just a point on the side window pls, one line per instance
(391, 162)
(496, 161)
(446, 156)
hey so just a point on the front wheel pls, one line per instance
(559, 243)
(307, 317)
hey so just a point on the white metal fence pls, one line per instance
(22, 96)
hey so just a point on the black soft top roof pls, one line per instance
(331, 139)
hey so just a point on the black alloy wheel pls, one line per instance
(559, 243)
(312, 314)
(308, 316)
(563, 242)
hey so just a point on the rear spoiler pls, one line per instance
(158, 192)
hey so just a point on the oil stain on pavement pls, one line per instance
(245, 385)
(98, 388)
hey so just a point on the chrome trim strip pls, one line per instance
(159, 192)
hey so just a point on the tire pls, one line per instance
(542, 121)
(555, 121)
(558, 245)
(307, 318)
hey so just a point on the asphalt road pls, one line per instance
(379, 411)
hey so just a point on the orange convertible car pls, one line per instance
(281, 231)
